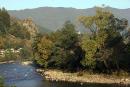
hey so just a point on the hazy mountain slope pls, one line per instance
(43, 29)
(53, 18)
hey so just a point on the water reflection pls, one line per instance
(26, 76)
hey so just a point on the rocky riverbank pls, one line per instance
(22, 63)
(57, 75)
(4, 62)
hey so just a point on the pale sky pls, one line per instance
(80, 4)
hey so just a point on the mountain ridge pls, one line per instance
(53, 18)
(70, 7)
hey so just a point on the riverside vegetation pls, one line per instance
(15, 39)
(104, 49)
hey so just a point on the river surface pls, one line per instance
(26, 76)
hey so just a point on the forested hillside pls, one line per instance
(52, 19)
(15, 36)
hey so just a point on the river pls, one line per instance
(26, 76)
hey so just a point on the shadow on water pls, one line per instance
(26, 76)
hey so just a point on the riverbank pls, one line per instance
(22, 63)
(4, 62)
(57, 75)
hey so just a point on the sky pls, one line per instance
(79, 4)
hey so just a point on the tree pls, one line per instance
(97, 25)
(4, 20)
(66, 52)
(42, 50)
(60, 49)
(2, 28)
(19, 31)
(90, 48)
(68, 37)
(5, 17)
(104, 40)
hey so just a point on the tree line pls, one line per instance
(106, 48)
(13, 35)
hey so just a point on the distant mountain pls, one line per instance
(52, 18)
(43, 29)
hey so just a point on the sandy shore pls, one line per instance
(57, 75)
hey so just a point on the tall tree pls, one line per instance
(42, 50)
(66, 52)
(105, 35)
(4, 20)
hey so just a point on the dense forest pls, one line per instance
(15, 37)
(105, 48)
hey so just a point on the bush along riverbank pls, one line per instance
(105, 49)
(58, 75)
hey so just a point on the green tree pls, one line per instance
(68, 37)
(42, 50)
(90, 48)
(19, 31)
(60, 49)
(4, 20)
(101, 45)
(65, 53)
(2, 28)
(5, 17)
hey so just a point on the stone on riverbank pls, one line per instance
(57, 75)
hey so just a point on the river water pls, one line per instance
(26, 76)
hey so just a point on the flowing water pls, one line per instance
(26, 76)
